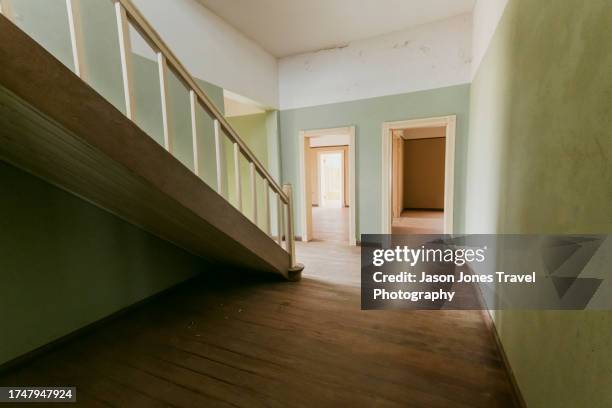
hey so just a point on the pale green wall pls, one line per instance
(260, 133)
(540, 161)
(48, 25)
(65, 263)
(252, 130)
(273, 134)
(368, 116)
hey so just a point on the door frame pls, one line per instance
(397, 182)
(305, 202)
(450, 123)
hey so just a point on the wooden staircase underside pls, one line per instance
(57, 127)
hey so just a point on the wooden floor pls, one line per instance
(330, 224)
(419, 222)
(252, 342)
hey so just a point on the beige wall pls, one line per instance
(424, 173)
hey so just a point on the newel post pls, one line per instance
(295, 271)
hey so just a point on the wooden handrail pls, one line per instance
(151, 36)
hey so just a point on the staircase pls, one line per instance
(58, 127)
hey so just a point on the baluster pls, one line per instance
(76, 36)
(193, 99)
(253, 175)
(280, 220)
(162, 65)
(125, 51)
(267, 207)
(237, 176)
(285, 237)
(290, 235)
(219, 157)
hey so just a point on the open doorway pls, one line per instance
(418, 180)
(330, 215)
(330, 166)
(327, 175)
(418, 173)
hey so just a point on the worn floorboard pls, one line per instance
(330, 224)
(253, 342)
(419, 222)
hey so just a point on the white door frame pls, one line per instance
(450, 123)
(305, 203)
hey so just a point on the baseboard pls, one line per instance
(423, 209)
(275, 237)
(31, 355)
(519, 400)
(517, 396)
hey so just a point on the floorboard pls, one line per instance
(419, 222)
(259, 342)
(330, 224)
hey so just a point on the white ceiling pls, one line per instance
(288, 27)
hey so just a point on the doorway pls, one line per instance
(331, 179)
(327, 168)
(418, 174)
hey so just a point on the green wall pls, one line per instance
(540, 161)
(48, 25)
(252, 130)
(260, 133)
(368, 115)
(65, 263)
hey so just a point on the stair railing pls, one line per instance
(128, 15)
